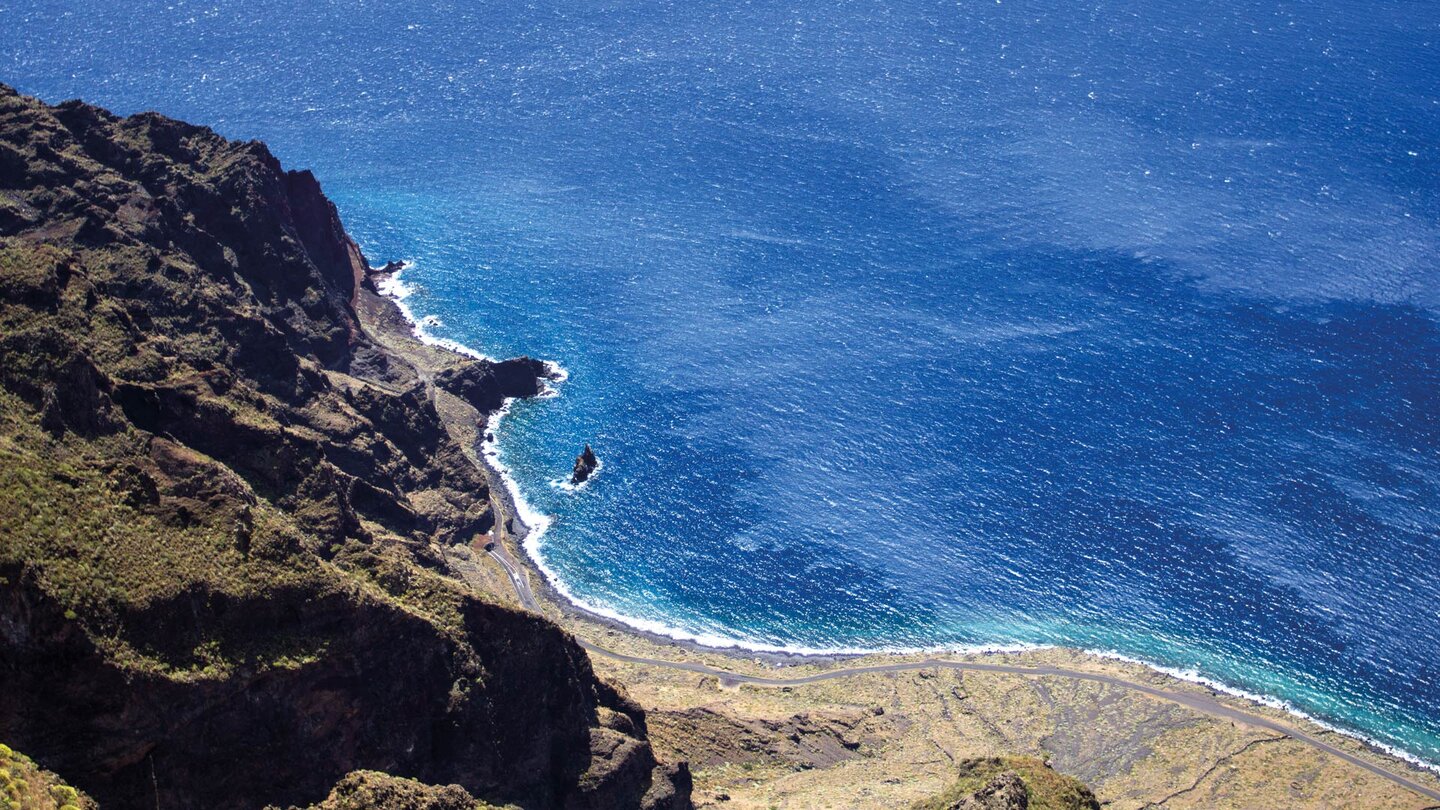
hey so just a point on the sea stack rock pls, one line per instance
(585, 465)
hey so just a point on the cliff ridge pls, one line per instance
(229, 491)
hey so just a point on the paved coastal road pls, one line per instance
(1197, 702)
(522, 586)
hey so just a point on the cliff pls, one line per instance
(226, 494)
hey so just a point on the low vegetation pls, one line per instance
(1045, 788)
(25, 786)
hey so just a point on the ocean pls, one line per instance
(905, 324)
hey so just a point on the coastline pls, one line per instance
(520, 528)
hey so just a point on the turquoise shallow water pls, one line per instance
(907, 324)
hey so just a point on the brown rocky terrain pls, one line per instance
(892, 739)
(228, 497)
(1010, 783)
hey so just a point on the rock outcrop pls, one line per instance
(1004, 792)
(585, 465)
(224, 494)
(372, 790)
(1011, 783)
(486, 384)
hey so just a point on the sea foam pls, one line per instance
(392, 286)
(537, 523)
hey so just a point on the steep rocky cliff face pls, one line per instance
(221, 495)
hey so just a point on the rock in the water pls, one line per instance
(585, 465)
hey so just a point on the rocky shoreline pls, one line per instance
(404, 336)
(600, 629)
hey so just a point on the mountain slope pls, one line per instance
(221, 582)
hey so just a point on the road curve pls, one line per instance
(1197, 702)
(521, 585)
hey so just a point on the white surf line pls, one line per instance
(1199, 703)
(536, 524)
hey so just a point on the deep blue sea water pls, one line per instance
(906, 324)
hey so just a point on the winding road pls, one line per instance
(1196, 702)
